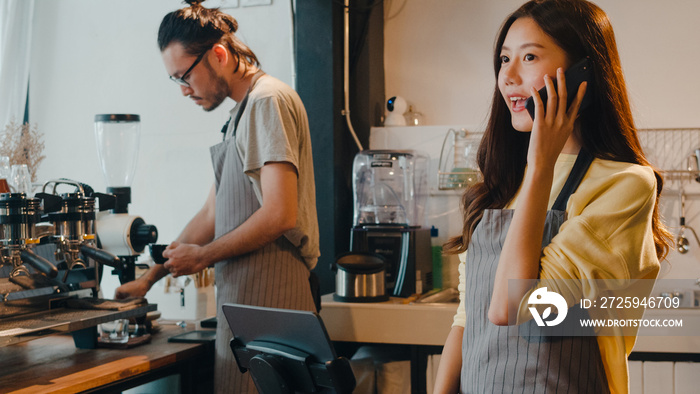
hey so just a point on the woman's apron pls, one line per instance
(273, 276)
(495, 359)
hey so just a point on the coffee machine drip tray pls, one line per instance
(61, 320)
(407, 252)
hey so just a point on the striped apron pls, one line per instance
(504, 359)
(273, 276)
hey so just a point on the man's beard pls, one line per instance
(220, 93)
(220, 86)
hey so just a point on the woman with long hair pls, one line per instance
(567, 194)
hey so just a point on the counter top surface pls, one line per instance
(54, 364)
(29, 327)
(399, 322)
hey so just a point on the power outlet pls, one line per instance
(222, 4)
(251, 3)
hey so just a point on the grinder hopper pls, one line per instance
(117, 137)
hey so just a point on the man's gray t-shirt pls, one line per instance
(274, 128)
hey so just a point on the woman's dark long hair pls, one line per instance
(198, 29)
(606, 129)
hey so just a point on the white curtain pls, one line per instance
(15, 47)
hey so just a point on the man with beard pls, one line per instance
(258, 227)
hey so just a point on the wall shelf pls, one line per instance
(672, 151)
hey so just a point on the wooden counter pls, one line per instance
(53, 364)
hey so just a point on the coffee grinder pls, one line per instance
(124, 235)
(390, 190)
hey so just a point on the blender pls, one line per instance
(117, 137)
(390, 190)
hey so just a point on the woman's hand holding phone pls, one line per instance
(553, 125)
(579, 72)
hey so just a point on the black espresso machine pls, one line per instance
(50, 265)
(47, 247)
(390, 190)
(55, 244)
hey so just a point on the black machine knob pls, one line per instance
(142, 234)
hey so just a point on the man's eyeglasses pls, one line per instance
(181, 81)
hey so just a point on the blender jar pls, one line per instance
(390, 187)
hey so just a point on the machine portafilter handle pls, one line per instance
(101, 256)
(41, 264)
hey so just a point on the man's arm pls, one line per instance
(199, 230)
(277, 215)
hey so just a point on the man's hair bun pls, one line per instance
(194, 2)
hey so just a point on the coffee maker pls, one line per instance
(390, 189)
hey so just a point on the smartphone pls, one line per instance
(579, 72)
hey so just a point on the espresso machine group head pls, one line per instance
(18, 218)
(72, 216)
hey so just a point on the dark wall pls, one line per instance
(367, 97)
(319, 64)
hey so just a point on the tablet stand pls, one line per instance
(280, 369)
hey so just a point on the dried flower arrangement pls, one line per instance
(23, 145)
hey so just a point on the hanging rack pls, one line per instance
(672, 152)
